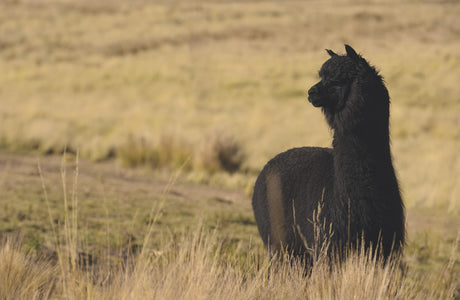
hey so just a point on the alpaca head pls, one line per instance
(350, 91)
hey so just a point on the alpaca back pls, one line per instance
(286, 196)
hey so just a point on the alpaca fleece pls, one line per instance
(350, 190)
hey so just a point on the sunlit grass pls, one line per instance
(89, 77)
(198, 265)
(217, 255)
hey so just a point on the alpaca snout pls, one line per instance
(313, 90)
(314, 96)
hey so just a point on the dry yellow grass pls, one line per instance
(197, 266)
(80, 259)
(23, 276)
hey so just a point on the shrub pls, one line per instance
(168, 152)
(219, 151)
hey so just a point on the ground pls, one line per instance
(121, 202)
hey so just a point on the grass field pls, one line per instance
(173, 108)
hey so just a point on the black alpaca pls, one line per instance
(352, 187)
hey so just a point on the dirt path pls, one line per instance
(17, 169)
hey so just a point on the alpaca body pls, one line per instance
(280, 214)
(352, 187)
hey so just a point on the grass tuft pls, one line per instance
(168, 152)
(220, 151)
(22, 275)
(217, 152)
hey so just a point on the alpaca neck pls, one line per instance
(362, 162)
(365, 185)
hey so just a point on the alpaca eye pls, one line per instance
(333, 87)
(336, 82)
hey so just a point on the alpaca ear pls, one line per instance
(351, 52)
(331, 53)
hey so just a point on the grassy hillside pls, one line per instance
(198, 95)
(98, 76)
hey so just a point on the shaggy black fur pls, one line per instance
(354, 182)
